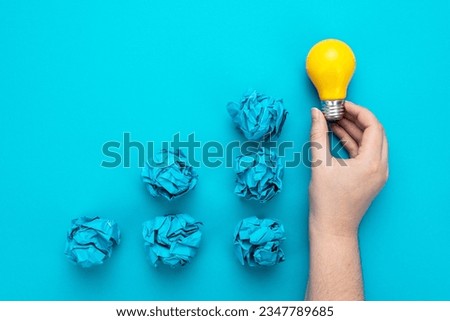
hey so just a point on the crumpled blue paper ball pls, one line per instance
(257, 242)
(258, 116)
(90, 240)
(173, 176)
(259, 175)
(172, 239)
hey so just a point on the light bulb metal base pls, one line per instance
(333, 110)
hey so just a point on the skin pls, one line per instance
(339, 197)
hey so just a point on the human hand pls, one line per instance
(341, 191)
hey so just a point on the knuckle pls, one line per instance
(379, 127)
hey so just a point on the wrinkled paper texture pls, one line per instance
(171, 176)
(258, 116)
(259, 175)
(172, 239)
(90, 240)
(257, 242)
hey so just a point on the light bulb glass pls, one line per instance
(330, 65)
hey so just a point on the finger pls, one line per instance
(372, 140)
(351, 128)
(360, 115)
(348, 115)
(352, 119)
(347, 140)
(319, 138)
(385, 149)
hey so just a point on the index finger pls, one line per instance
(372, 140)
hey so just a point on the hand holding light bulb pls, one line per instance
(330, 65)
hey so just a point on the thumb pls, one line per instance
(319, 138)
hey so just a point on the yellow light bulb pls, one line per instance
(330, 65)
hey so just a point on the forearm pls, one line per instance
(335, 267)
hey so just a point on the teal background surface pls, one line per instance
(76, 74)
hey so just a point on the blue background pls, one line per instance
(76, 74)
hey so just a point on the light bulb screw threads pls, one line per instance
(333, 110)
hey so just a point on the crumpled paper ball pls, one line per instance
(172, 178)
(90, 240)
(172, 239)
(258, 116)
(257, 242)
(259, 175)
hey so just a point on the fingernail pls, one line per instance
(315, 113)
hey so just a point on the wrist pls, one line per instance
(327, 228)
(334, 261)
(332, 244)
